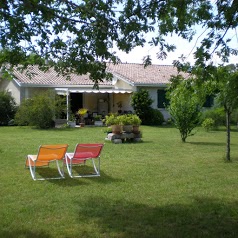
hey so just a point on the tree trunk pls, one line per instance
(228, 132)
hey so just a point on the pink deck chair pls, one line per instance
(81, 154)
(47, 154)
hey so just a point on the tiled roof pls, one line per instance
(33, 75)
(138, 74)
(135, 74)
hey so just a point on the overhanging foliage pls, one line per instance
(79, 36)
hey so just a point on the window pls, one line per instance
(209, 101)
(162, 100)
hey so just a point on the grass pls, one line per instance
(158, 188)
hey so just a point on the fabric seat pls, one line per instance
(47, 154)
(81, 154)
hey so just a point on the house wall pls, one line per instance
(154, 96)
(106, 102)
(28, 92)
(120, 84)
(96, 102)
(12, 88)
(124, 98)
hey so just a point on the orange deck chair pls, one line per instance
(81, 154)
(46, 155)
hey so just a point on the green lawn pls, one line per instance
(158, 188)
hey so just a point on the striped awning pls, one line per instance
(64, 90)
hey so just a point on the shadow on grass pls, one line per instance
(70, 182)
(224, 130)
(202, 218)
(208, 143)
(24, 233)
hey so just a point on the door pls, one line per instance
(76, 101)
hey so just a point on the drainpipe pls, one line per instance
(67, 103)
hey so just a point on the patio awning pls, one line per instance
(64, 90)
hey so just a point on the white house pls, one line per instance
(127, 78)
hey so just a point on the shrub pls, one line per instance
(22, 117)
(7, 108)
(217, 114)
(154, 117)
(208, 124)
(141, 103)
(38, 111)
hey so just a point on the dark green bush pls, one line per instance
(141, 103)
(154, 117)
(7, 108)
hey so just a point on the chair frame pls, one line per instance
(47, 154)
(82, 154)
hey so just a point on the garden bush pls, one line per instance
(217, 114)
(208, 124)
(22, 117)
(38, 111)
(154, 117)
(141, 103)
(7, 108)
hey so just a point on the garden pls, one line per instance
(159, 187)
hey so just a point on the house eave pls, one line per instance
(161, 85)
(123, 79)
(60, 86)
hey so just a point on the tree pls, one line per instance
(78, 36)
(227, 87)
(185, 105)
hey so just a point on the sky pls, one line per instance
(183, 47)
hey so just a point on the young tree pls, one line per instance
(78, 36)
(227, 86)
(185, 105)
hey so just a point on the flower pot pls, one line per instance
(127, 128)
(136, 129)
(82, 124)
(116, 129)
(98, 123)
(72, 123)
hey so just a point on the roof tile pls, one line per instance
(138, 74)
(134, 73)
(33, 75)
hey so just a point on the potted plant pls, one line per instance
(72, 120)
(126, 123)
(135, 121)
(98, 120)
(81, 113)
(113, 120)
